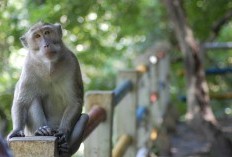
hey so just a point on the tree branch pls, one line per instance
(217, 26)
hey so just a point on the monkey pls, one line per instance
(48, 97)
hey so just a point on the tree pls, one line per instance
(197, 88)
(199, 110)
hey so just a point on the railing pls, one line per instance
(217, 45)
(144, 91)
(100, 141)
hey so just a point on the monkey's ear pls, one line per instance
(23, 41)
(59, 29)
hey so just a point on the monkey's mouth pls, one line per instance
(50, 54)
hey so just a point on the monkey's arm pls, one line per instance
(70, 117)
(19, 113)
(19, 120)
(19, 116)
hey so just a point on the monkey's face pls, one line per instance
(44, 41)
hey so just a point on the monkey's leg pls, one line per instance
(66, 149)
(76, 137)
(36, 117)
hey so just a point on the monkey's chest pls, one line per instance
(57, 100)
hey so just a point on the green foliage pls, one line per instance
(202, 14)
(99, 32)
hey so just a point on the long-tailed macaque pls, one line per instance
(48, 98)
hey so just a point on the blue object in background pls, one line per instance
(219, 71)
(141, 112)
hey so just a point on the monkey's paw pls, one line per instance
(16, 133)
(62, 142)
(45, 131)
(63, 148)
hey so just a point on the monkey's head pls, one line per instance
(44, 41)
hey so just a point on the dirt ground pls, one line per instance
(186, 142)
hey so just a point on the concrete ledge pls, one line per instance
(34, 146)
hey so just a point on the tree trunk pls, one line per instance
(197, 88)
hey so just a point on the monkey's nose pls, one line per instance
(46, 45)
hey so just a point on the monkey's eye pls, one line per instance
(47, 32)
(37, 36)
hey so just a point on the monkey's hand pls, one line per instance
(16, 133)
(45, 131)
(62, 142)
